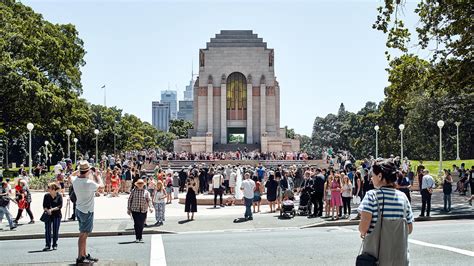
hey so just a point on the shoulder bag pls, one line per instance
(368, 258)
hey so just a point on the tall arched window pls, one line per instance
(236, 97)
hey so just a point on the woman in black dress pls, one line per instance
(271, 186)
(190, 205)
(52, 204)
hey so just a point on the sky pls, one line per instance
(326, 52)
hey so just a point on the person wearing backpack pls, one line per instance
(386, 220)
(447, 190)
(4, 204)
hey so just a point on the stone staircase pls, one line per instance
(235, 147)
(176, 165)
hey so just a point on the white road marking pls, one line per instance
(456, 250)
(157, 251)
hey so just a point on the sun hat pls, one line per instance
(84, 166)
(140, 181)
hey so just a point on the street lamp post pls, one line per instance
(96, 132)
(115, 134)
(440, 125)
(50, 155)
(68, 133)
(376, 141)
(39, 157)
(457, 140)
(401, 127)
(30, 127)
(75, 150)
(46, 143)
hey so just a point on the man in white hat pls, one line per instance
(85, 188)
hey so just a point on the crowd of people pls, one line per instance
(330, 192)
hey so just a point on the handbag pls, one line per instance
(45, 217)
(364, 258)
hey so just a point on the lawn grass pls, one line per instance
(433, 166)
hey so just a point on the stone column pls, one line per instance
(210, 108)
(249, 114)
(223, 113)
(263, 109)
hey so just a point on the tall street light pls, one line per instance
(457, 140)
(75, 150)
(376, 141)
(46, 143)
(440, 125)
(68, 133)
(115, 134)
(401, 127)
(96, 132)
(30, 127)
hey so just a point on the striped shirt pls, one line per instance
(396, 203)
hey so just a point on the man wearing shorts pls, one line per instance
(85, 188)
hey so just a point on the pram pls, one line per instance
(304, 206)
(288, 206)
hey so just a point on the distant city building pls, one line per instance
(189, 93)
(171, 97)
(186, 110)
(161, 115)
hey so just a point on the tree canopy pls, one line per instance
(40, 77)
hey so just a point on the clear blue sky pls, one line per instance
(326, 52)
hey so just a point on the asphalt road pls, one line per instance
(432, 243)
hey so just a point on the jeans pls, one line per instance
(139, 219)
(248, 205)
(217, 191)
(447, 202)
(425, 202)
(55, 222)
(6, 212)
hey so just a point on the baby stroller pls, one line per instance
(288, 206)
(304, 205)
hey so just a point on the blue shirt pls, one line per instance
(396, 205)
(427, 182)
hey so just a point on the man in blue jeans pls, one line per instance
(85, 185)
(248, 187)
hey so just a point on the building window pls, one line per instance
(236, 97)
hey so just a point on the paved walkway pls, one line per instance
(111, 218)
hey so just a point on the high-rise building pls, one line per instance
(168, 96)
(188, 93)
(161, 115)
(186, 110)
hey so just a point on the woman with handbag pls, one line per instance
(52, 204)
(24, 201)
(386, 220)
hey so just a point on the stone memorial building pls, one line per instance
(236, 97)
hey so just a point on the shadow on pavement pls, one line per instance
(184, 221)
(240, 220)
(39, 251)
(126, 243)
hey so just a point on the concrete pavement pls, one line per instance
(432, 243)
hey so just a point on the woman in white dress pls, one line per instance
(238, 184)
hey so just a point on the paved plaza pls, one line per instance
(111, 217)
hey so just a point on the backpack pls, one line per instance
(4, 201)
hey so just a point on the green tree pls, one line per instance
(180, 128)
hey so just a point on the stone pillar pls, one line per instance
(263, 109)
(249, 114)
(223, 113)
(210, 108)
